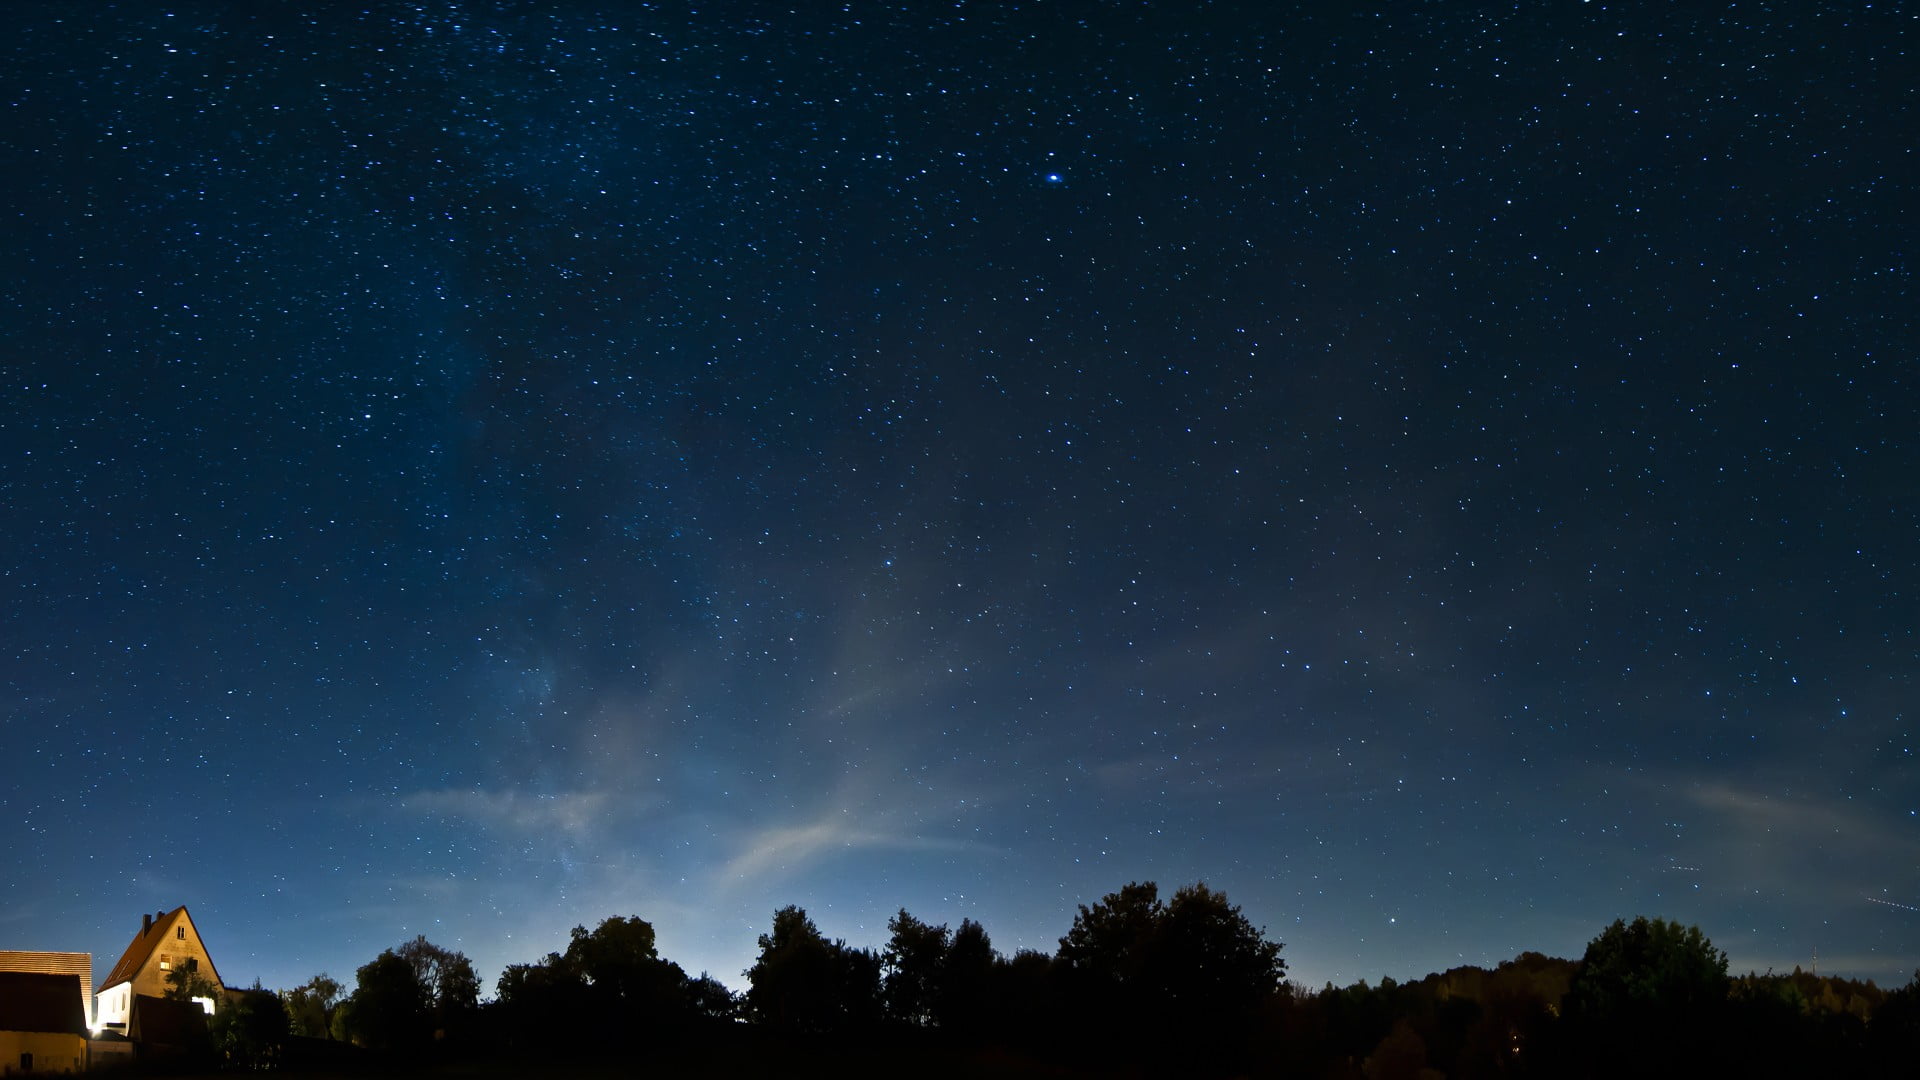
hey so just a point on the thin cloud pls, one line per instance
(1798, 817)
(573, 812)
(790, 848)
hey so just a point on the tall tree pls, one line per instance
(622, 968)
(912, 962)
(1198, 947)
(448, 984)
(1109, 941)
(310, 1006)
(188, 985)
(966, 979)
(803, 982)
(1649, 995)
(389, 1009)
(1195, 967)
(620, 943)
(534, 1000)
(1648, 966)
(1209, 959)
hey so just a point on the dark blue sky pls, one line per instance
(1444, 476)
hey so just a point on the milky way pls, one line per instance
(1443, 477)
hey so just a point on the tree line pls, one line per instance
(1138, 985)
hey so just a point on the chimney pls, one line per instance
(146, 922)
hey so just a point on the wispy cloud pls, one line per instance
(573, 813)
(1799, 817)
(790, 848)
(1829, 852)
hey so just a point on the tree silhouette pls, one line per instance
(249, 1031)
(1188, 986)
(447, 982)
(1649, 966)
(1649, 996)
(609, 977)
(533, 1000)
(708, 997)
(310, 1006)
(1198, 953)
(1024, 1007)
(912, 963)
(1210, 960)
(1187, 974)
(186, 985)
(804, 983)
(1402, 1055)
(1109, 941)
(1895, 1032)
(966, 980)
(389, 1009)
(626, 980)
(619, 944)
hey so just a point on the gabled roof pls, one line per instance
(141, 947)
(35, 1001)
(54, 963)
(147, 941)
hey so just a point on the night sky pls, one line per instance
(1447, 476)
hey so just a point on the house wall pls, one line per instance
(179, 947)
(108, 1053)
(52, 1052)
(116, 1004)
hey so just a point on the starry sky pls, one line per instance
(1442, 473)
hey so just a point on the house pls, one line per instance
(167, 943)
(55, 963)
(43, 1025)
